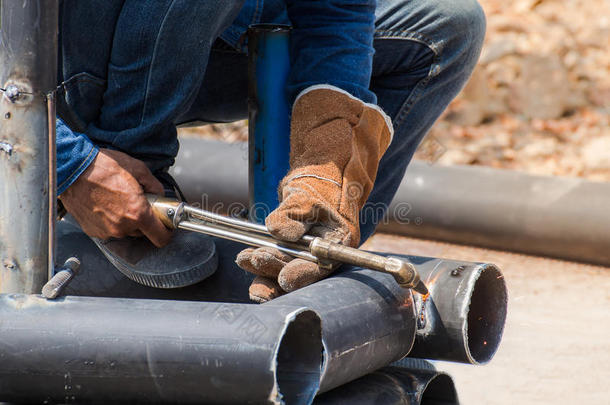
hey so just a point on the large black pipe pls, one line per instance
(398, 384)
(463, 318)
(368, 323)
(367, 320)
(508, 210)
(134, 351)
(28, 75)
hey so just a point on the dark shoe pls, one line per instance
(188, 259)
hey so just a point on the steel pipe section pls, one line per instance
(395, 385)
(463, 318)
(368, 322)
(549, 216)
(28, 74)
(100, 350)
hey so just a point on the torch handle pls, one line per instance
(175, 214)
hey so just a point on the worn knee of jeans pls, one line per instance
(466, 26)
(439, 42)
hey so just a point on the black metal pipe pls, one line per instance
(395, 385)
(99, 350)
(368, 322)
(28, 74)
(463, 318)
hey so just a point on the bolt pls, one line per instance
(10, 264)
(12, 92)
(457, 271)
(7, 116)
(6, 148)
(170, 212)
(52, 289)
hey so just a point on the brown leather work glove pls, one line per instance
(337, 142)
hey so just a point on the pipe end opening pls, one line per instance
(299, 359)
(440, 391)
(487, 315)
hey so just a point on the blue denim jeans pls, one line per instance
(136, 70)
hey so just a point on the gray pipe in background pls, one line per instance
(549, 216)
(28, 75)
(136, 351)
(213, 174)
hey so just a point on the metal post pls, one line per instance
(269, 121)
(28, 75)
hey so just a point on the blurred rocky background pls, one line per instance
(539, 100)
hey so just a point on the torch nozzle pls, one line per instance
(421, 288)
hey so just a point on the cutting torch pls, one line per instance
(178, 215)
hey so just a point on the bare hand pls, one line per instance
(108, 199)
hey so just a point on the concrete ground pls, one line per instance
(556, 345)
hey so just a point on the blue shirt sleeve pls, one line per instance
(332, 43)
(75, 152)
